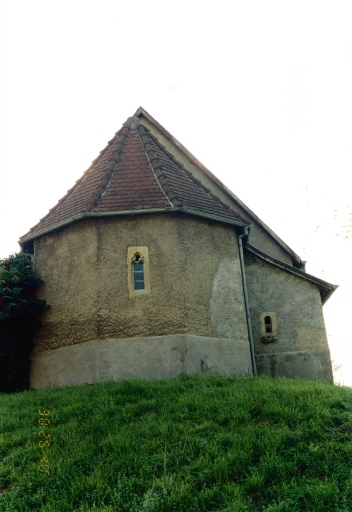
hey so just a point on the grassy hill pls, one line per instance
(188, 444)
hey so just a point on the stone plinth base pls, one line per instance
(158, 357)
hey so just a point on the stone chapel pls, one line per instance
(153, 268)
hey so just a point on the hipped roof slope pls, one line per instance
(134, 173)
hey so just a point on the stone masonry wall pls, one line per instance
(301, 334)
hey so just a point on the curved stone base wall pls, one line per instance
(307, 364)
(149, 358)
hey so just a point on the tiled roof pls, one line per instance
(134, 173)
(326, 289)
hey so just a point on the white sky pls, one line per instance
(259, 91)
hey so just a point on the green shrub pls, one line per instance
(19, 320)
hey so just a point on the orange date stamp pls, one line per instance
(44, 443)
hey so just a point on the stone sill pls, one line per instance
(268, 338)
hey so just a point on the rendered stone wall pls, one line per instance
(84, 268)
(195, 280)
(212, 280)
(301, 348)
(262, 241)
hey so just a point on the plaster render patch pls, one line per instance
(310, 338)
(226, 302)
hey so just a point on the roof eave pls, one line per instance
(140, 112)
(129, 213)
(326, 289)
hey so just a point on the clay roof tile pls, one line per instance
(134, 172)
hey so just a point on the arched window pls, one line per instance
(138, 271)
(268, 324)
(268, 329)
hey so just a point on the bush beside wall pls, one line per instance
(19, 320)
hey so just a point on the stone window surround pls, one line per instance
(142, 251)
(268, 337)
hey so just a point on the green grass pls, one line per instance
(188, 444)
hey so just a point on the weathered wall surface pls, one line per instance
(262, 241)
(157, 357)
(66, 262)
(307, 364)
(195, 281)
(84, 268)
(212, 280)
(301, 348)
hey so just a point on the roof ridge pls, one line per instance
(106, 147)
(109, 170)
(190, 175)
(156, 168)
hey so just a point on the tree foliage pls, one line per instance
(19, 320)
